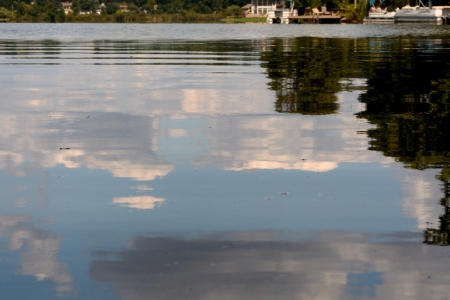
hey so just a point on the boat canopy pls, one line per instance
(372, 1)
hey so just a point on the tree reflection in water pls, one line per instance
(441, 235)
(407, 96)
(305, 74)
(408, 101)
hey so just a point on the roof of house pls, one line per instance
(67, 4)
(247, 6)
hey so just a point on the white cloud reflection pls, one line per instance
(139, 202)
(127, 105)
(40, 258)
(330, 265)
(128, 146)
(307, 143)
(121, 144)
(313, 166)
(421, 192)
(245, 131)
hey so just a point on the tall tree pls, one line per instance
(50, 12)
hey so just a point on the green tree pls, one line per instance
(233, 10)
(218, 5)
(362, 9)
(19, 8)
(40, 3)
(174, 7)
(120, 17)
(50, 14)
(112, 8)
(75, 7)
(88, 5)
(61, 14)
(4, 13)
(149, 7)
(6, 4)
(34, 13)
(139, 3)
(201, 8)
(133, 8)
(308, 3)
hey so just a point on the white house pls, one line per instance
(261, 7)
(67, 6)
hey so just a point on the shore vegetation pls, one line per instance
(164, 11)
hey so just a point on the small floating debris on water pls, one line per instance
(64, 148)
(88, 116)
(283, 193)
(268, 198)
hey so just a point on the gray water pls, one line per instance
(176, 161)
(196, 32)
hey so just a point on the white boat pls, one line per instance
(422, 14)
(379, 16)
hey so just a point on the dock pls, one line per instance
(284, 15)
(321, 19)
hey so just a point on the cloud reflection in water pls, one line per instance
(40, 258)
(139, 202)
(122, 144)
(263, 265)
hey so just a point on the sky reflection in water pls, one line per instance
(289, 168)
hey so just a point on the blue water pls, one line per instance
(183, 161)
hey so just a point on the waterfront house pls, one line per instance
(123, 7)
(67, 6)
(247, 9)
(262, 7)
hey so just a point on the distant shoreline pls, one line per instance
(187, 17)
(143, 19)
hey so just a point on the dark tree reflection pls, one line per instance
(408, 101)
(441, 235)
(407, 96)
(306, 73)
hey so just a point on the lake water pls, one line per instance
(216, 161)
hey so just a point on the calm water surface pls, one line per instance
(224, 162)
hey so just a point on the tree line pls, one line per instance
(119, 10)
(164, 10)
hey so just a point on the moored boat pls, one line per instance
(422, 14)
(377, 15)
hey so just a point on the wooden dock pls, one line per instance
(320, 19)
